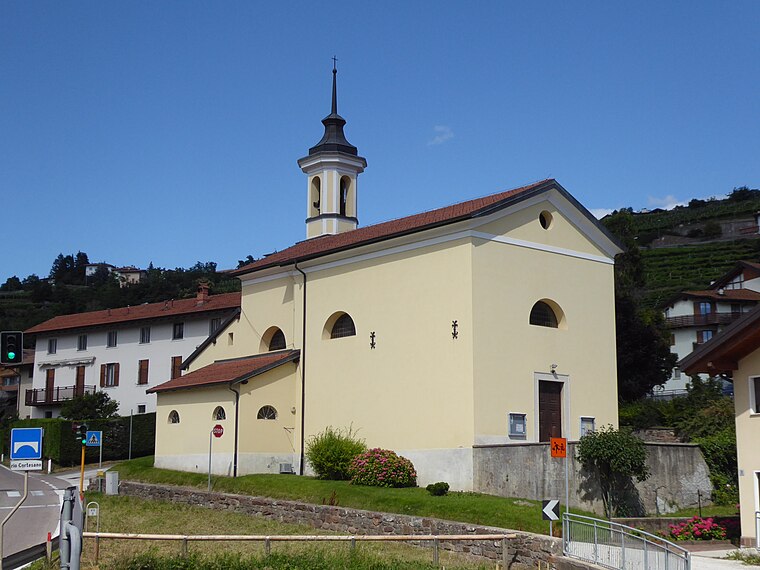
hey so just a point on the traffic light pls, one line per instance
(83, 433)
(11, 347)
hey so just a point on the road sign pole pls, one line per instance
(210, 439)
(567, 486)
(81, 476)
(100, 459)
(6, 519)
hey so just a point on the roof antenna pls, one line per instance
(335, 90)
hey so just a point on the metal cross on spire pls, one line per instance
(335, 64)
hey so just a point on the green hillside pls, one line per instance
(670, 270)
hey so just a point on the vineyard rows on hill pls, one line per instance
(671, 270)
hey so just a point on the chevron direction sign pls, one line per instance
(26, 449)
(550, 510)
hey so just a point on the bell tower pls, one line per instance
(332, 168)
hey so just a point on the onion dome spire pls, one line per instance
(334, 140)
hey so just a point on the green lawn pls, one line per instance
(475, 508)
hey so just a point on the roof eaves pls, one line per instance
(295, 355)
(728, 334)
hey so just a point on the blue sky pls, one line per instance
(169, 131)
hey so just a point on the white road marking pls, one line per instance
(13, 493)
(37, 493)
(31, 507)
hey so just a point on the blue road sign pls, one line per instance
(93, 438)
(26, 443)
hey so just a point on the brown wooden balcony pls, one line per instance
(701, 320)
(44, 397)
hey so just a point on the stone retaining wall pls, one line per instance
(525, 551)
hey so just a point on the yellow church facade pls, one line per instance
(486, 322)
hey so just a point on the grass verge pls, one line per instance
(474, 508)
(133, 515)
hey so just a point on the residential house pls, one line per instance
(488, 322)
(129, 275)
(694, 317)
(121, 351)
(736, 352)
(14, 381)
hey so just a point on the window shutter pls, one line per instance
(102, 375)
(176, 366)
(142, 377)
(116, 374)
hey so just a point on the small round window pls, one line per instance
(174, 417)
(546, 219)
(219, 413)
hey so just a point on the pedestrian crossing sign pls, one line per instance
(94, 438)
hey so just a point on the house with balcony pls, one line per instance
(14, 381)
(121, 351)
(694, 317)
(735, 352)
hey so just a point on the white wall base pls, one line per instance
(222, 463)
(454, 466)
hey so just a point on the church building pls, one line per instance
(488, 322)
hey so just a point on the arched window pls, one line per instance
(316, 195)
(543, 315)
(174, 417)
(344, 326)
(267, 413)
(219, 413)
(277, 342)
(345, 183)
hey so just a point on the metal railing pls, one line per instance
(436, 539)
(757, 530)
(619, 547)
(43, 396)
(701, 320)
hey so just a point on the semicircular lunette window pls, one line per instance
(267, 413)
(277, 342)
(344, 326)
(219, 413)
(174, 417)
(542, 315)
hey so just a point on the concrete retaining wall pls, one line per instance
(678, 471)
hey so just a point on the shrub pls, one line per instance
(438, 489)
(697, 529)
(382, 468)
(330, 452)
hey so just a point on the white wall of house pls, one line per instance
(127, 352)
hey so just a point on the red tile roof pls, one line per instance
(228, 371)
(323, 245)
(728, 295)
(170, 309)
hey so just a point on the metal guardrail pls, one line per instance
(619, 547)
(436, 539)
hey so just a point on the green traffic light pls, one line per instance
(11, 355)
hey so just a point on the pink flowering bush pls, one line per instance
(697, 529)
(382, 468)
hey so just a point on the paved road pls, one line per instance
(714, 561)
(37, 516)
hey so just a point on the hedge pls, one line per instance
(61, 445)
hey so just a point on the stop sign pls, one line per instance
(218, 430)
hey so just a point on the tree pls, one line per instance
(11, 284)
(98, 405)
(644, 359)
(614, 458)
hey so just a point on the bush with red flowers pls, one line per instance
(382, 468)
(697, 529)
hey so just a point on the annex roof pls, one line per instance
(166, 309)
(742, 266)
(324, 245)
(229, 371)
(722, 353)
(727, 295)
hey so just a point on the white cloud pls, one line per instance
(599, 213)
(667, 203)
(442, 134)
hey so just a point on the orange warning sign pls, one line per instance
(558, 446)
